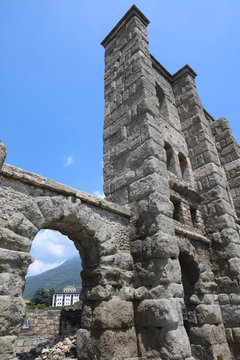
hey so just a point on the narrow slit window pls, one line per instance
(176, 209)
(170, 158)
(160, 95)
(183, 166)
(193, 212)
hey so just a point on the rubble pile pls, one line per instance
(65, 349)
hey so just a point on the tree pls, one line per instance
(50, 296)
(40, 296)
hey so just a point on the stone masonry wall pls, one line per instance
(217, 210)
(29, 203)
(161, 158)
(135, 173)
(229, 153)
(47, 326)
(161, 254)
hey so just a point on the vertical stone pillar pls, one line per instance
(14, 262)
(229, 153)
(218, 215)
(135, 173)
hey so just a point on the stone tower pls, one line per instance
(161, 254)
(179, 171)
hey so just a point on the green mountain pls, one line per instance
(65, 274)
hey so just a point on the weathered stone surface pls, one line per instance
(208, 314)
(106, 344)
(207, 335)
(7, 346)
(12, 312)
(160, 253)
(157, 313)
(112, 314)
(11, 284)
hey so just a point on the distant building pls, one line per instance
(69, 289)
(69, 296)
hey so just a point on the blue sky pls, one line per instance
(52, 69)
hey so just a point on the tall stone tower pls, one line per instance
(179, 171)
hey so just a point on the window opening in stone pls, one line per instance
(177, 209)
(190, 275)
(193, 212)
(170, 158)
(183, 166)
(160, 95)
(25, 324)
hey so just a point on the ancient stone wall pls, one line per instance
(161, 254)
(47, 326)
(99, 230)
(135, 173)
(161, 158)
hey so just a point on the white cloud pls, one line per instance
(37, 267)
(50, 248)
(68, 161)
(99, 194)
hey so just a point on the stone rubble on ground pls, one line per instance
(62, 350)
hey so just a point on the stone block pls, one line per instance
(112, 314)
(208, 314)
(157, 313)
(223, 299)
(10, 319)
(106, 344)
(7, 346)
(97, 293)
(15, 261)
(207, 335)
(234, 299)
(234, 265)
(231, 315)
(11, 284)
(236, 334)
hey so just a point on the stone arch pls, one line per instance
(201, 310)
(102, 238)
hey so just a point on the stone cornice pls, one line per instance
(42, 182)
(183, 71)
(171, 78)
(133, 11)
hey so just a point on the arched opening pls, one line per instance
(160, 95)
(170, 162)
(190, 276)
(56, 267)
(102, 238)
(183, 166)
(53, 283)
